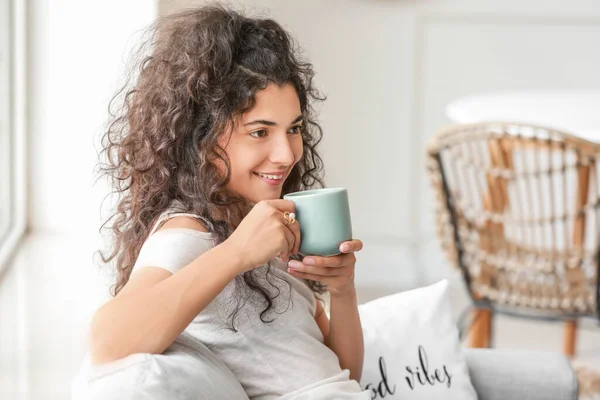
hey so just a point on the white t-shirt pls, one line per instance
(284, 359)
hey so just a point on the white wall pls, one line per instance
(389, 68)
(76, 57)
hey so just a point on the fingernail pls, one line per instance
(345, 247)
(294, 264)
(308, 261)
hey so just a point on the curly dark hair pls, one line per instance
(204, 68)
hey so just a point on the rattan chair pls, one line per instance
(517, 213)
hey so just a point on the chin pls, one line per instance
(265, 196)
(269, 197)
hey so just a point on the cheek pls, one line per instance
(243, 162)
(298, 151)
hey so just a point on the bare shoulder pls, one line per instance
(149, 276)
(184, 222)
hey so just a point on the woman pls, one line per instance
(217, 129)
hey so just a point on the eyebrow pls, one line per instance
(271, 123)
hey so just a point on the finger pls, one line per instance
(351, 246)
(297, 266)
(304, 275)
(332, 261)
(282, 205)
(290, 239)
(295, 229)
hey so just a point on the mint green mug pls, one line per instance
(324, 219)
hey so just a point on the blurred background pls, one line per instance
(388, 68)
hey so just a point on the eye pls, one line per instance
(259, 134)
(296, 129)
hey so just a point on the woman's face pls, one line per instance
(266, 144)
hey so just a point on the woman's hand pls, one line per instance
(337, 272)
(265, 234)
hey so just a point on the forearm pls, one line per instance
(345, 333)
(149, 320)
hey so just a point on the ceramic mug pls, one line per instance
(324, 219)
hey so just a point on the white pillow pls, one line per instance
(412, 350)
(187, 370)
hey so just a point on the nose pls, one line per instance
(282, 152)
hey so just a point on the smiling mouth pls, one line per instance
(269, 176)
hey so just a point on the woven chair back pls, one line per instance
(517, 212)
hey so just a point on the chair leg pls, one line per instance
(481, 329)
(570, 338)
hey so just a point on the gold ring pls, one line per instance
(289, 217)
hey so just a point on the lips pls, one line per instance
(274, 179)
(270, 175)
